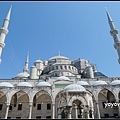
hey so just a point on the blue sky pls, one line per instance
(77, 29)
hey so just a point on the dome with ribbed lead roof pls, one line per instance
(115, 82)
(74, 88)
(59, 57)
(24, 84)
(40, 84)
(99, 82)
(39, 61)
(84, 83)
(64, 78)
(6, 84)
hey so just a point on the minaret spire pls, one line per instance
(59, 53)
(108, 15)
(7, 19)
(26, 63)
(4, 31)
(114, 34)
(8, 15)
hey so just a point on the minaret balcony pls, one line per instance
(119, 60)
(117, 45)
(113, 32)
(2, 45)
(3, 30)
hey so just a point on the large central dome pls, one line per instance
(58, 57)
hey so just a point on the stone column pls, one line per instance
(69, 109)
(98, 111)
(88, 114)
(53, 111)
(82, 112)
(92, 112)
(76, 112)
(59, 113)
(30, 111)
(119, 111)
(117, 100)
(87, 111)
(7, 109)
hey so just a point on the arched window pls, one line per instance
(56, 67)
(65, 67)
(52, 67)
(55, 75)
(69, 67)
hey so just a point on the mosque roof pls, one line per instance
(74, 88)
(82, 83)
(43, 84)
(24, 84)
(6, 84)
(38, 61)
(99, 82)
(99, 74)
(63, 78)
(58, 57)
(22, 75)
(115, 82)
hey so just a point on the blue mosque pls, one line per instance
(59, 87)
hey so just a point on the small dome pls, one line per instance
(74, 88)
(115, 82)
(33, 66)
(40, 84)
(99, 82)
(24, 84)
(22, 75)
(62, 78)
(82, 83)
(38, 61)
(5, 84)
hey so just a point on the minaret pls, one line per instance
(26, 64)
(4, 31)
(114, 34)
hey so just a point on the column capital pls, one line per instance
(7, 103)
(53, 103)
(117, 99)
(30, 103)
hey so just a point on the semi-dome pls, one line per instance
(99, 74)
(115, 82)
(40, 84)
(74, 88)
(22, 75)
(6, 84)
(24, 84)
(82, 83)
(63, 78)
(99, 82)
